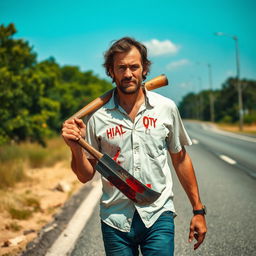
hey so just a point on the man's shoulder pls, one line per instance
(98, 113)
(160, 100)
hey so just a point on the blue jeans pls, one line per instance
(155, 240)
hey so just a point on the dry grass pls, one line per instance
(27, 187)
(30, 204)
(14, 159)
(249, 129)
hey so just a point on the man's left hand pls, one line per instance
(198, 230)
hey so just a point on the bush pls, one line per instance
(250, 118)
(226, 119)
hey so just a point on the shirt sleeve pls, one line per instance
(90, 136)
(177, 137)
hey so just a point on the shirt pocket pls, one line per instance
(153, 175)
(154, 141)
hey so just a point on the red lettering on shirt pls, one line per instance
(149, 122)
(109, 133)
(114, 131)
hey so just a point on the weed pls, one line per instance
(23, 214)
(14, 226)
(33, 202)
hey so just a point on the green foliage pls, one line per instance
(197, 106)
(37, 97)
(250, 118)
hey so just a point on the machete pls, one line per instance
(120, 178)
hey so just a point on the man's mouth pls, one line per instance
(128, 81)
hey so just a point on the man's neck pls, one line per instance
(131, 102)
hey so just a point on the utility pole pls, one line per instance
(212, 112)
(238, 83)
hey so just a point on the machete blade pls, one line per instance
(125, 182)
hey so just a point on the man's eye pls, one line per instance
(122, 68)
(134, 67)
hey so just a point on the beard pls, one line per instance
(126, 87)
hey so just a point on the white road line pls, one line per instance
(66, 241)
(195, 141)
(228, 159)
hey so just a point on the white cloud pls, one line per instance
(177, 64)
(157, 48)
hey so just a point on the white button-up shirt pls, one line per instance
(141, 147)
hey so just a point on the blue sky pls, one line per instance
(179, 35)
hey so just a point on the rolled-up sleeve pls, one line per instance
(177, 137)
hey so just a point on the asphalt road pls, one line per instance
(225, 168)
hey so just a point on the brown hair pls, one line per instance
(124, 45)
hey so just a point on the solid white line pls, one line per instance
(66, 241)
(227, 159)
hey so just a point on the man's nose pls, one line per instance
(128, 73)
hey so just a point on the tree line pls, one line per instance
(36, 97)
(225, 102)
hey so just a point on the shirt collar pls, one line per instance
(113, 104)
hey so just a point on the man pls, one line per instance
(140, 130)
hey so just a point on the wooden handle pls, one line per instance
(156, 82)
(95, 153)
(152, 84)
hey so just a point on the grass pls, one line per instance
(249, 129)
(20, 214)
(13, 226)
(15, 159)
(11, 172)
(19, 207)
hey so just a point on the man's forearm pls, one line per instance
(185, 172)
(81, 166)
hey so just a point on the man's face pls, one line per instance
(127, 71)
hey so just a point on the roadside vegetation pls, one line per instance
(35, 98)
(226, 111)
(15, 160)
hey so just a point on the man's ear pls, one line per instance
(144, 72)
(111, 73)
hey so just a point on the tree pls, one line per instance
(226, 103)
(37, 97)
(23, 111)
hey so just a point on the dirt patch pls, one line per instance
(41, 186)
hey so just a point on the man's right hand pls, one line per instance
(73, 130)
